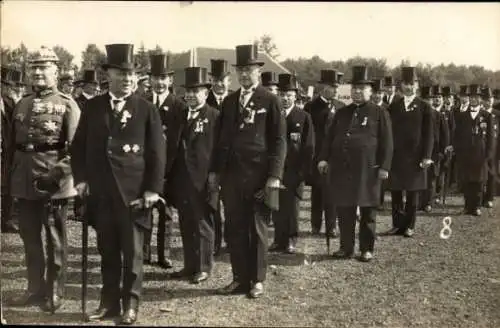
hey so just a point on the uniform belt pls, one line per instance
(30, 147)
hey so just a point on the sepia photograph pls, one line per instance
(250, 164)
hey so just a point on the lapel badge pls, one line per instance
(242, 125)
(126, 148)
(50, 126)
(199, 126)
(365, 121)
(20, 117)
(297, 125)
(295, 136)
(135, 148)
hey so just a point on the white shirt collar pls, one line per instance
(380, 103)
(120, 104)
(438, 108)
(86, 95)
(161, 96)
(288, 110)
(194, 112)
(409, 99)
(324, 99)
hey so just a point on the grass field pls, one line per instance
(420, 282)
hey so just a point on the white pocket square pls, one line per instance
(262, 110)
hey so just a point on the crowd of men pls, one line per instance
(231, 163)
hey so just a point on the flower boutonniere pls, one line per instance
(125, 117)
(413, 107)
(249, 116)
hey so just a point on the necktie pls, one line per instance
(158, 101)
(244, 93)
(192, 115)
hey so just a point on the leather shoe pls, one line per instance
(315, 232)
(291, 249)
(341, 254)
(103, 313)
(49, 306)
(366, 257)
(181, 274)
(427, 209)
(234, 287)
(275, 247)
(165, 264)
(28, 299)
(392, 232)
(129, 317)
(409, 233)
(257, 290)
(199, 277)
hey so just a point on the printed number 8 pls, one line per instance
(446, 231)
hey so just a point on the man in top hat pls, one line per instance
(464, 98)
(44, 124)
(9, 100)
(270, 81)
(300, 151)
(196, 132)
(168, 105)
(378, 93)
(441, 142)
(490, 187)
(474, 147)
(66, 81)
(221, 80)
(412, 128)
(356, 156)
(118, 159)
(321, 110)
(390, 90)
(248, 164)
(90, 86)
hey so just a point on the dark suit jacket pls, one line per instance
(212, 102)
(300, 149)
(81, 100)
(474, 144)
(100, 156)
(250, 151)
(199, 143)
(413, 133)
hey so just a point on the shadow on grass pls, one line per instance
(26, 316)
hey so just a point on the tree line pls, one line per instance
(306, 69)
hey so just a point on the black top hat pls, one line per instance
(486, 93)
(16, 77)
(360, 75)
(464, 90)
(269, 78)
(6, 76)
(496, 93)
(160, 65)
(287, 82)
(409, 74)
(447, 91)
(89, 76)
(121, 56)
(437, 90)
(474, 90)
(426, 91)
(247, 54)
(329, 76)
(219, 68)
(388, 81)
(377, 85)
(196, 77)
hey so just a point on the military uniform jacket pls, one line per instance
(358, 143)
(252, 142)
(413, 134)
(116, 154)
(195, 140)
(300, 149)
(171, 108)
(321, 115)
(474, 144)
(45, 117)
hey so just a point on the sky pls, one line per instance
(434, 33)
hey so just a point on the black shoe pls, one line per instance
(52, 305)
(200, 277)
(315, 232)
(257, 290)
(409, 233)
(233, 288)
(165, 264)
(392, 232)
(427, 208)
(28, 299)
(129, 317)
(366, 257)
(181, 274)
(275, 247)
(341, 254)
(103, 313)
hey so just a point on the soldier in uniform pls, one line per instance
(196, 131)
(90, 87)
(44, 125)
(441, 142)
(300, 151)
(490, 187)
(412, 127)
(249, 162)
(270, 81)
(66, 84)
(356, 154)
(474, 147)
(12, 92)
(221, 80)
(167, 105)
(118, 158)
(321, 110)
